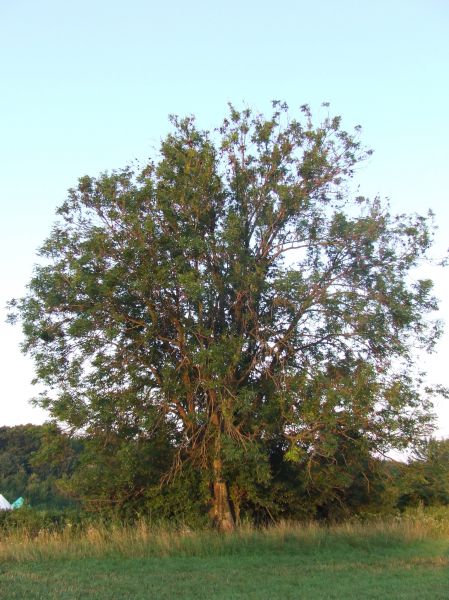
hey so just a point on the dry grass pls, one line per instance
(142, 539)
(397, 558)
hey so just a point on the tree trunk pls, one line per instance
(221, 513)
(221, 507)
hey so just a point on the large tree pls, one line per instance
(236, 293)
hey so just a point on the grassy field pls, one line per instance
(393, 560)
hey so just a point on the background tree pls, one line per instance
(235, 293)
(33, 458)
(425, 479)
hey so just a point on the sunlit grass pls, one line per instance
(402, 558)
(145, 540)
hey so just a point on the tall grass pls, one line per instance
(143, 539)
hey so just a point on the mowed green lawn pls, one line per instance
(321, 569)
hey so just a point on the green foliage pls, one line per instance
(230, 299)
(120, 478)
(32, 460)
(32, 522)
(425, 480)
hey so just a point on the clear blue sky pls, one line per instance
(87, 86)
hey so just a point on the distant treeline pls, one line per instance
(113, 476)
(34, 460)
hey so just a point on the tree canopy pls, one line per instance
(235, 295)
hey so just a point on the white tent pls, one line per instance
(4, 504)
